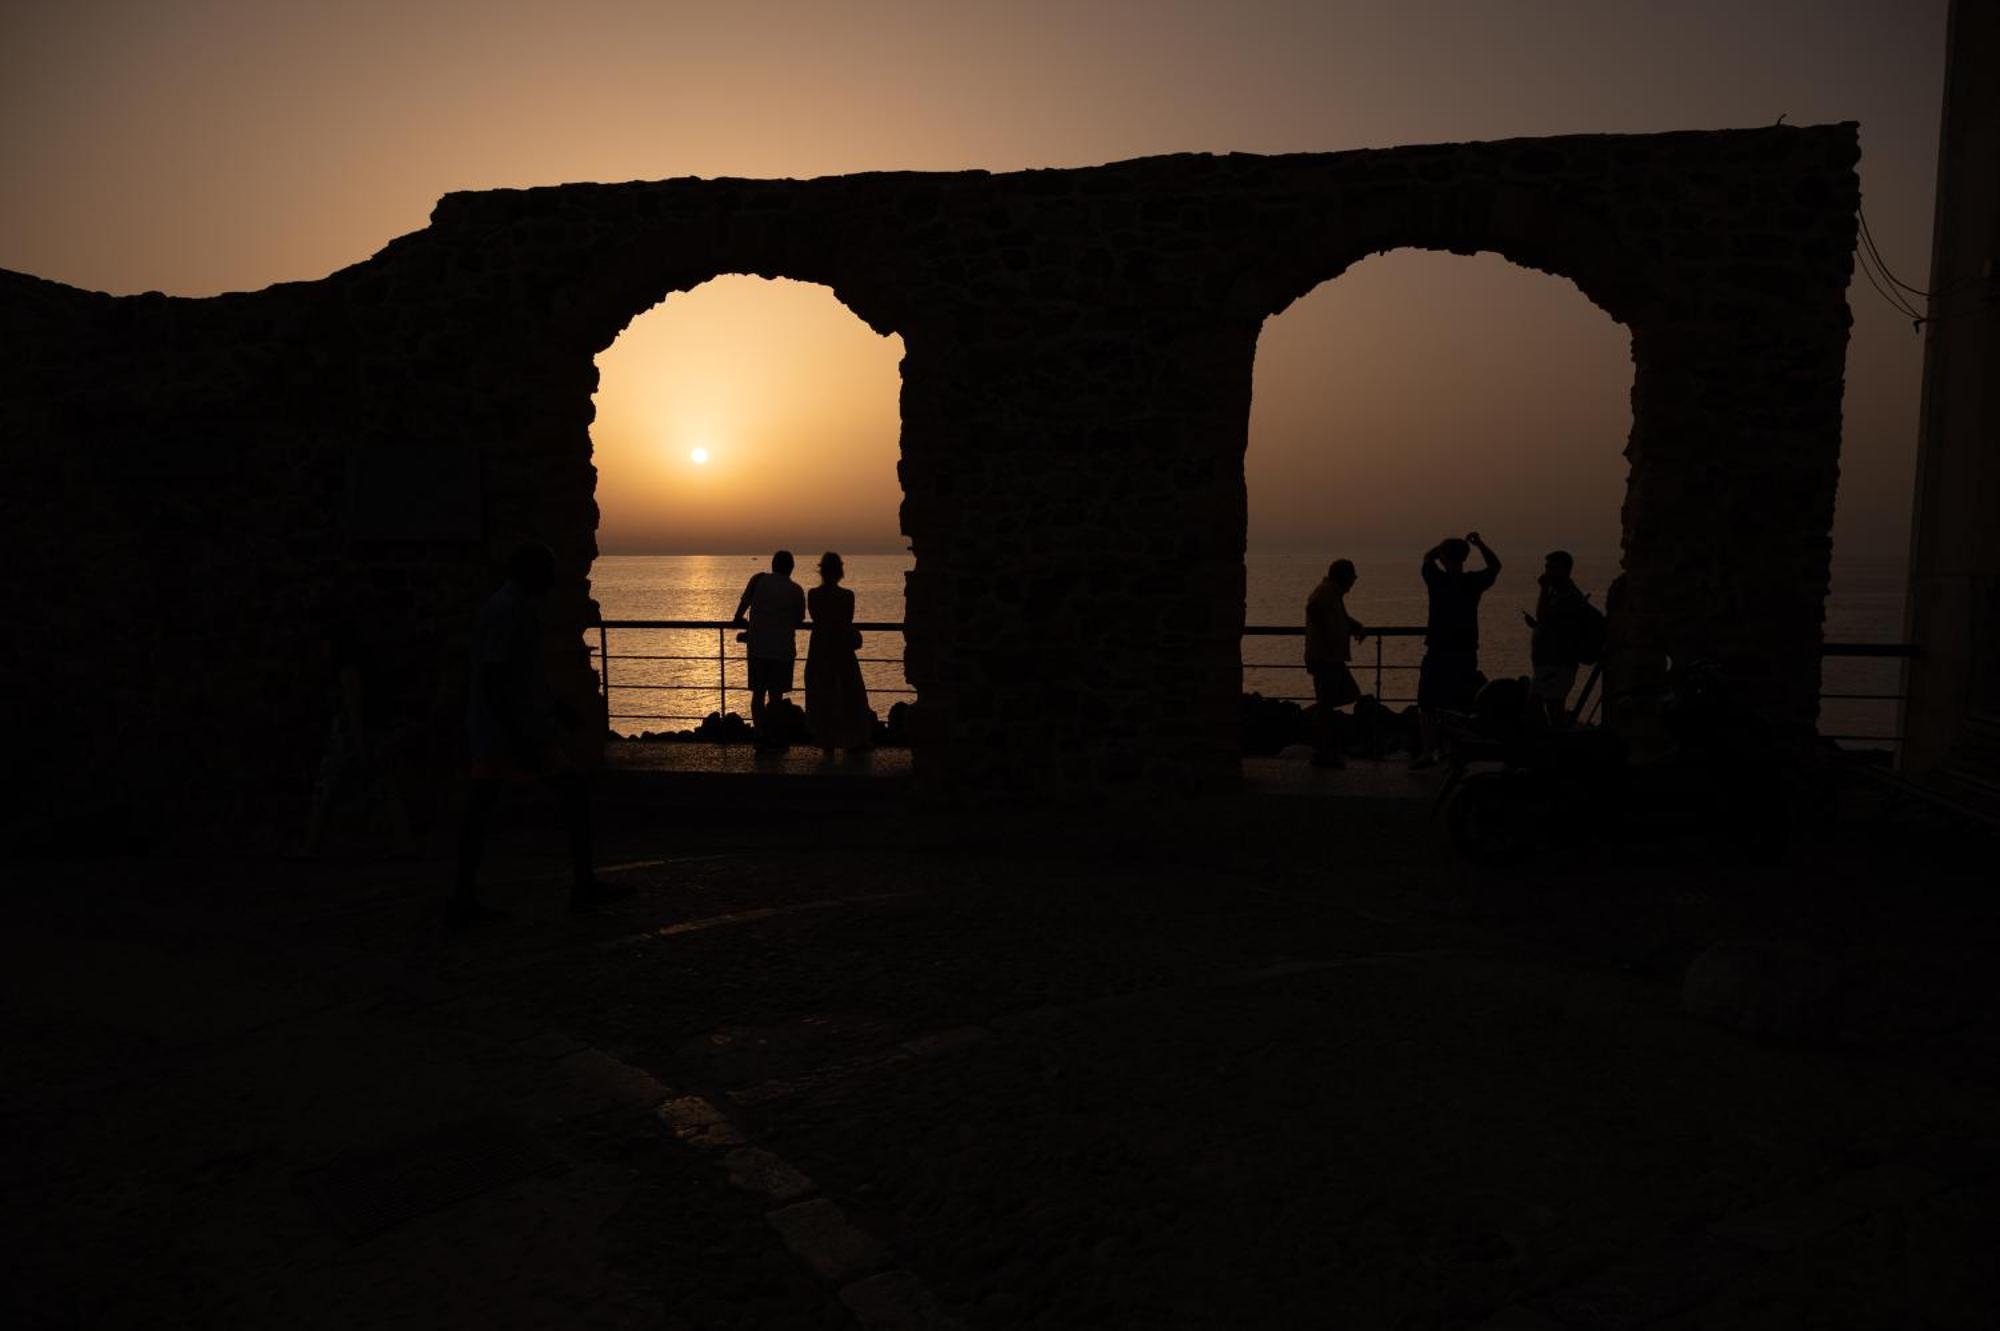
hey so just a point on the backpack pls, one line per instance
(1587, 632)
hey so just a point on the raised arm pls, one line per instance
(743, 601)
(1485, 551)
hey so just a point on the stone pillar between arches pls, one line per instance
(1074, 494)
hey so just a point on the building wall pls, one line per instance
(207, 485)
(1952, 719)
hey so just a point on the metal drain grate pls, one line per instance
(366, 1192)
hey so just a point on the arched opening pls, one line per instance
(1423, 395)
(744, 416)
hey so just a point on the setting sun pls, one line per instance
(742, 414)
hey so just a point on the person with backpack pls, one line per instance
(1567, 631)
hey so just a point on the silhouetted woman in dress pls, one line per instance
(836, 699)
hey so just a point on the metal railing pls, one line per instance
(1289, 631)
(1902, 651)
(726, 630)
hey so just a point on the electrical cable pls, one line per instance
(1868, 240)
(1871, 251)
(1870, 259)
(1888, 294)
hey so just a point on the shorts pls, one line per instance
(1334, 686)
(1448, 677)
(1552, 683)
(771, 674)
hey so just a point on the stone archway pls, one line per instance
(1076, 387)
(730, 421)
(1418, 395)
(1734, 298)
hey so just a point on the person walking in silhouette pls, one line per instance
(355, 777)
(511, 719)
(1330, 635)
(836, 698)
(1449, 675)
(1555, 646)
(776, 606)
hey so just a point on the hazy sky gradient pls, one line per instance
(201, 147)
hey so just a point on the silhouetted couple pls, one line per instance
(772, 609)
(511, 722)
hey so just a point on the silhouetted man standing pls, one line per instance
(1449, 676)
(1330, 635)
(511, 720)
(1557, 626)
(776, 607)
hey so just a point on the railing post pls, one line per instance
(604, 669)
(721, 673)
(1378, 667)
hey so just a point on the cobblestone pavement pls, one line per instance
(1207, 1073)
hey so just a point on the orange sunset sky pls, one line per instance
(195, 148)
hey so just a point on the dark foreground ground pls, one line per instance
(1281, 1064)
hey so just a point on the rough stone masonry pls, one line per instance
(200, 491)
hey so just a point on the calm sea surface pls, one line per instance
(680, 675)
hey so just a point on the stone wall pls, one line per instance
(205, 484)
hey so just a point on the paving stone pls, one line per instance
(1650, 1285)
(697, 1121)
(588, 1082)
(897, 1301)
(717, 921)
(615, 1078)
(756, 1170)
(1787, 1223)
(615, 1074)
(691, 1111)
(834, 1247)
(944, 1042)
